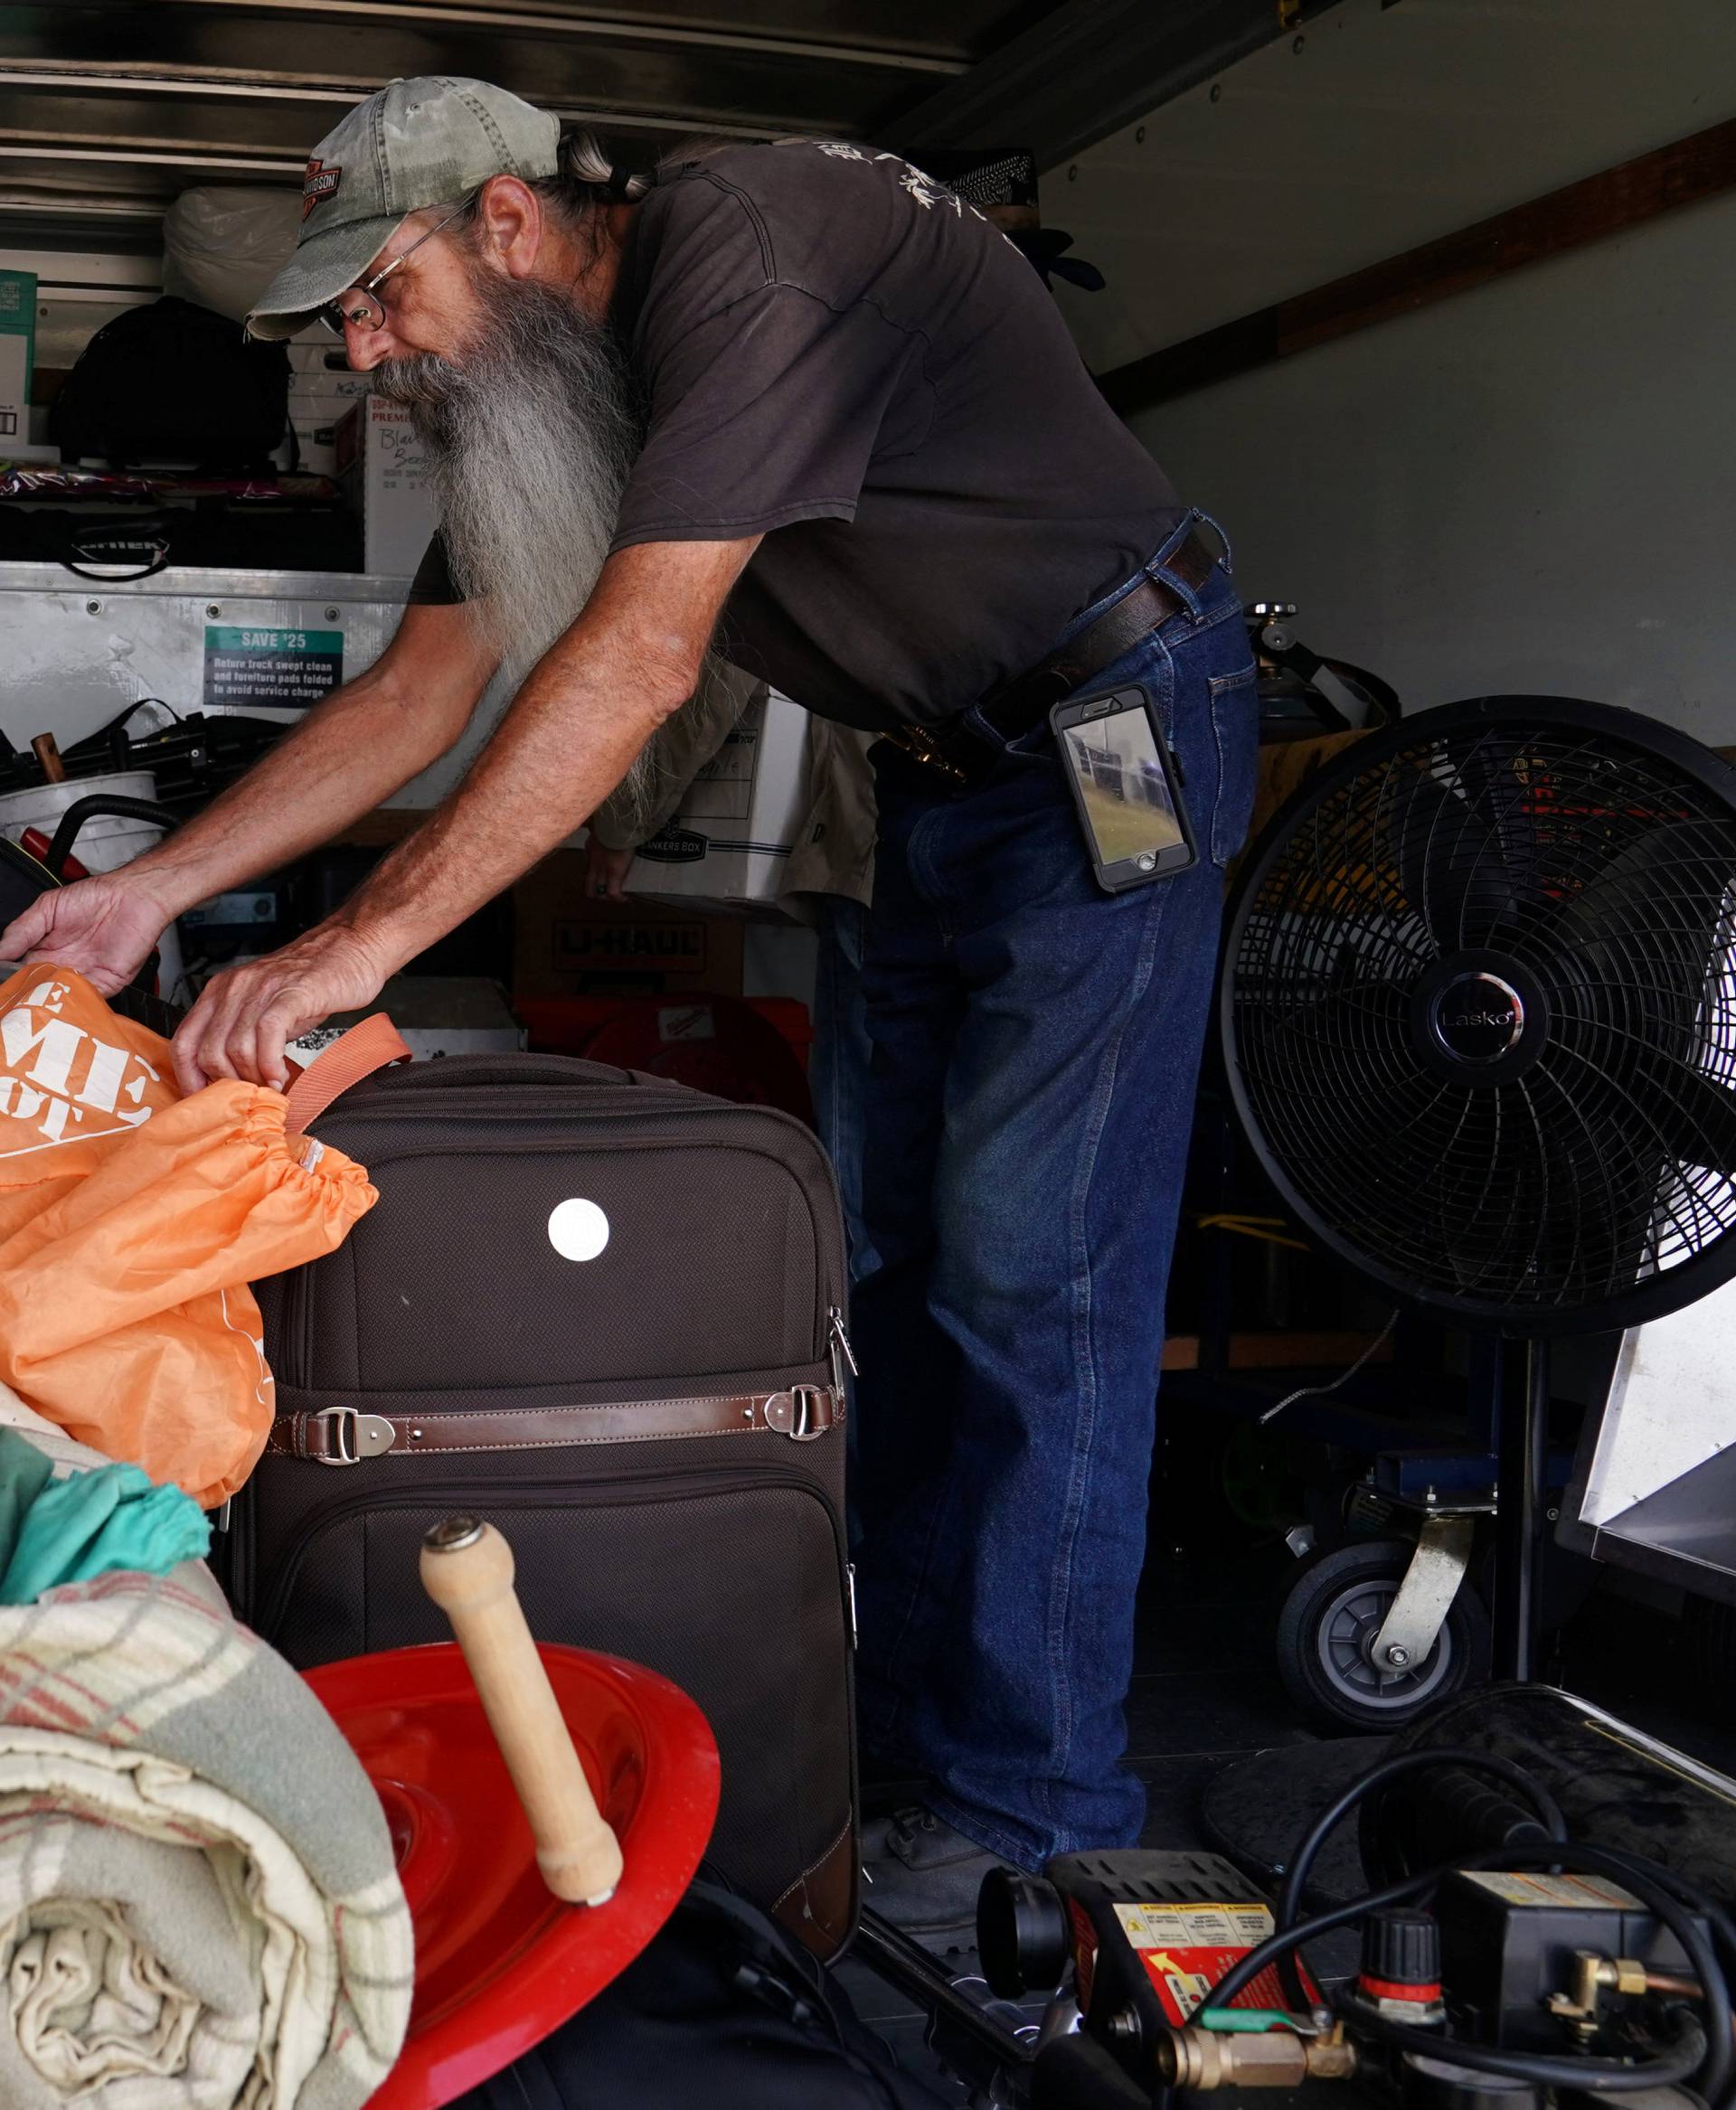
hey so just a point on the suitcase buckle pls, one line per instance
(354, 1436)
(796, 1413)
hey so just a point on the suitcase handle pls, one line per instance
(468, 1570)
(373, 1045)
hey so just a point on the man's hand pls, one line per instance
(239, 1026)
(605, 870)
(104, 928)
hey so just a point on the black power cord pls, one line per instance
(1706, 2052)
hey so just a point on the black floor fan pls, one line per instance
(1478, 1012)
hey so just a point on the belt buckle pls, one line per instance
(917, 744)
(354, 1436)
(795, 1413)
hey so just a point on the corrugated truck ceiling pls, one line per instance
(108, 109)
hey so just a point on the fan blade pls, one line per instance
(1445, 853)
(1344, 1026)
(1697, 1117)
(1673, 884)
(1657, 1097)
(1338, 1077)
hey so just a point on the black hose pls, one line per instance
(1549, 1809)
(1588, 2076)
(1242, 1975)
(1289, 1905)
(1723, 1928)
(1593, 2074)
(100, 805)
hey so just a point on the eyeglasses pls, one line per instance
(361, 303)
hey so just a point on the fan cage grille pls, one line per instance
(1607, 874)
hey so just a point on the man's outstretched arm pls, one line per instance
(583, 714)
(352, 750)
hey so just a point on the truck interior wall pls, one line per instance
(1523, 488)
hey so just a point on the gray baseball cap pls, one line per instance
(430, 141)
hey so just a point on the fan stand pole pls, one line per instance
(1522, 1419)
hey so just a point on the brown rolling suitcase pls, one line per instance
(606, 1312)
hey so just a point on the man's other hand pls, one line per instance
(239, 1026)
(605, 870)
(104, 928)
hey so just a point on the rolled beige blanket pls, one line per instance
(199, 1906)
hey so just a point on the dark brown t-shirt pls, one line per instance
(839, 355)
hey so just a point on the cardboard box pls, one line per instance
(383, 473)
(566, 944)
(442, 1014)
(17, 356)
(729, 839)
(318, 404)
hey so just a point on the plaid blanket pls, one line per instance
(199, 1907)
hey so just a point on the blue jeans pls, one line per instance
(1035, 1046)
(838, 1063)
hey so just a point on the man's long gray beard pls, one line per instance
(529, 441)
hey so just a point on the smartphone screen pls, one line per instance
(1124, 791)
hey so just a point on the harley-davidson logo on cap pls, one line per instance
(320, 185)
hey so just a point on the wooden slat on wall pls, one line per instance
(1682, 174)
(1280, 1351)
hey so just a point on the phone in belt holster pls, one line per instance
(1126, 786)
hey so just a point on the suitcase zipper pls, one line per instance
(553, 1494)
(843, 1355)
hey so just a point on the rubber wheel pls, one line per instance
(1335, 1610)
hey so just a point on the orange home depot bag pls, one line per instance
(132, 1221)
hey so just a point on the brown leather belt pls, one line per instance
(957, 750)
(349, 1436)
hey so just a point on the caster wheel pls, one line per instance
(1334, 1613)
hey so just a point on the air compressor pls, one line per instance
(1550, 1917)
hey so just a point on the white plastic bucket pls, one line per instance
(106, 842)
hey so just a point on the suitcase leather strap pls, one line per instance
(350, 1435)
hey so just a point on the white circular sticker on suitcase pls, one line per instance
(578, 1231)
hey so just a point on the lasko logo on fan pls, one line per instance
(70, 1076)
(1477, 1031)
(321, 184)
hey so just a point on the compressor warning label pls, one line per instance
(1547, 1889)
(1187, 1948)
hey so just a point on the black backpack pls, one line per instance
(725, 2010)
(174, 382)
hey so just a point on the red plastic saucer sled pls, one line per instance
(500, 1961)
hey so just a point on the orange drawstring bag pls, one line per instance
(132, 1221)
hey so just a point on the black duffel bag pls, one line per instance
(174, 382)
(724, 2010)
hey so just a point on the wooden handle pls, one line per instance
(47, 752)
(468, 1570)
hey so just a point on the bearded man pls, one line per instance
(803, 392)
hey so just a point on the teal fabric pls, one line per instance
(94, 1524)
(25, 1472)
